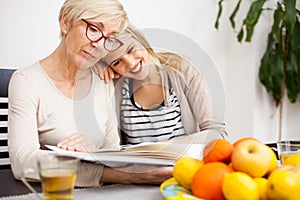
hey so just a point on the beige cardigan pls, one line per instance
(39, 114)
(197, 111)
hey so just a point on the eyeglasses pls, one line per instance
(94, 34)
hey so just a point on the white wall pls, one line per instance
(29, 31)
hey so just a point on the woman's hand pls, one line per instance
(105, 73)
(76, 142)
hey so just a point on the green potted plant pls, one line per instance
(279, 69)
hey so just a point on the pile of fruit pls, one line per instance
(246, 169)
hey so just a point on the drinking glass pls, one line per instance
(286, 149)
(57, 174)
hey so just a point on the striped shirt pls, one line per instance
(149, 125)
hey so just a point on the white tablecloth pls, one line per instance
(111, 192)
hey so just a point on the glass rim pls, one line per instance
(288, 142)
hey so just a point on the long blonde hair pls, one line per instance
(168, 59)
(161, 59)
(106, 11)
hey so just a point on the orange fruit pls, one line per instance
(217, 150)
(207, 181)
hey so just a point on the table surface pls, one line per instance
(12, 189)
(10, 186)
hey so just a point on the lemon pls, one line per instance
(284, 183)
(293, 160)
(185, 169)
(262, 187)
(239, 186)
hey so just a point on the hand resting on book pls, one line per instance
(76, 142)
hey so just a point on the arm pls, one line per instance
(201, 102)
(152, 176)
(23, 136)
(23, 139)
(195, 100)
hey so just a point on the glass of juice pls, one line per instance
(58, 175)
(287, 148)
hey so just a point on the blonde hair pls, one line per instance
(168, 59)
(106, 11)
(161, 59)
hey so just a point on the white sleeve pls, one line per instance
(23, 139)
(23, 136)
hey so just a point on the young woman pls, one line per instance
(59, 99)
(160, 95)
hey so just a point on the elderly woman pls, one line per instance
(59, 98)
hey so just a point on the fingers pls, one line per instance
(107, 75)
(117, 75)
(99, 70)
(73, 142)
(96, 69)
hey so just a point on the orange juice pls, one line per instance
(58, 184)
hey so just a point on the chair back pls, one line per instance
(5, 75)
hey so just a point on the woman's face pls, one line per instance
(81, 51)
(130, 60)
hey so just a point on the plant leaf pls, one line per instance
(219, 14)
(292, 81)
(290, 14)
(271, 68)
(266, 63)
(254, 12)
(249, 30)
(252, 17)
(240, 35)
(293, 67)
(277, 72)
(295, 39)
(278, 16)
(233, 14)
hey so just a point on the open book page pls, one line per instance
(158, 153)
(165, 149)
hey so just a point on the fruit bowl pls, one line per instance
(171, 190)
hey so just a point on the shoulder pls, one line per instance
(24, 84)
(177, 65)
(185, 72)
(29, 73)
